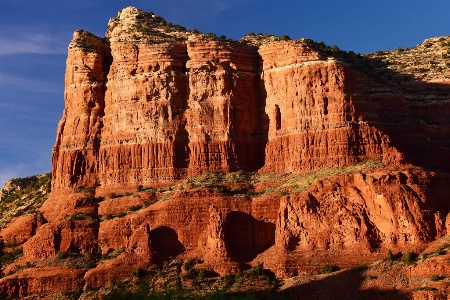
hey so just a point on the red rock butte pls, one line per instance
(153, 104)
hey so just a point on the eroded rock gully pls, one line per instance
(143, 112)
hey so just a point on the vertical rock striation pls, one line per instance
(156, 111)
(160, 107)
(79, 131)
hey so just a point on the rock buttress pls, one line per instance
(75, 154)
(312, 120)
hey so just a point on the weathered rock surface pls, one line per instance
(21, 229)
(139, 112)
(41, 281)
(153, 105)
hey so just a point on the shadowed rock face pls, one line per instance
(245, 237)
(165, 243)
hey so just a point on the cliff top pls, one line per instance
(428, 61)
(133, 24)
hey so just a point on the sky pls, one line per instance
(34, 36)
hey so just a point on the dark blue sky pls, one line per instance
(34, 36)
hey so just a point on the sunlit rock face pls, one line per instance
(143, 109)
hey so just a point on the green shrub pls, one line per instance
(436, 277)
(238, 279)
(7, 258)
(426, 288)
(426, 255)
(112, 195)
(73, 294)
(138, 272)
(326, 269)
(83, 189)
(190, 263)
(390, 256)
(121, 214)
(257, 270)
(228, 279)
(191, 274)
(409, 257)
(90, 259)
(61, 255)
(362, 267)
(442, 249)
(201, 273)
(79, 216)
(135, 207)
(109, 217)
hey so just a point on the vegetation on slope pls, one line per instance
(252, 184)
(23, 196)
(427, 61)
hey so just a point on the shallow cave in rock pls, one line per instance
(245, 237)
(165, 243)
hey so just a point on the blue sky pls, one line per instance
(34, 36)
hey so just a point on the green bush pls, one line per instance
(79, 216)
(390, 256)
(112, 195)
(442, 249)
(61, 255)
(121, 214)
(135, 207)
(436, 277)
(190, 263)
(83, 189)
(138, 272)
(362, 267)
(326, 269)
(409, 257)
(7, 258)
(257, 270)
(426, 288)
(109, 216)
(228, 279)
(90, 259)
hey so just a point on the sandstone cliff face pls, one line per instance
(167, 110)
(79, 129)
(159, 111)
(140, 111)
(42, 281)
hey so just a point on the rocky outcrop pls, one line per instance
(41, 281)
(140, 110)
(70, 236)
(21, 229)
